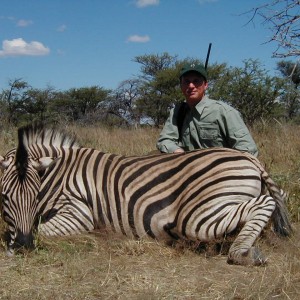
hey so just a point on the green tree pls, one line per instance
(87, 99)
(290, 96)
(159, 95)
(123, 104)
(158, 89)
(249, 89)
(154, 63)
(36, 104)
(79, 104)
(12, 101)
(290, 70)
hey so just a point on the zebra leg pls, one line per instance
(254, 214)
(67, 221)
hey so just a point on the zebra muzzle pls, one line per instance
(23, 241)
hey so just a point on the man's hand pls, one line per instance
(179, 150)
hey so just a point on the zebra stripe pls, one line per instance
(201, 195)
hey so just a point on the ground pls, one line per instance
(101, 266)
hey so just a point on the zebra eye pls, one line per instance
(4, 198)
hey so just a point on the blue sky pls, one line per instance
(74, 43)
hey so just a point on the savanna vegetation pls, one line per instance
(147, 98)
(102, 265)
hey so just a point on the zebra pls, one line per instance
(52, 185)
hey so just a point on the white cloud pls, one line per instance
(138, 39)
(18, 47)
(24, 23)
(62, 28)
(144, 3)
(7, 18)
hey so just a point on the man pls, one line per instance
(201, 122)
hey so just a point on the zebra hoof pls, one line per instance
(253, 257)
(10, 252)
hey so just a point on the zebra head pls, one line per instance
(20, 185)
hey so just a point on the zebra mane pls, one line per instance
(38, 134)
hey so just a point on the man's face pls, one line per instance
(193, 86)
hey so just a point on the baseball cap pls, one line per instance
(193, 67)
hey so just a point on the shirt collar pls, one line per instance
(202, 104)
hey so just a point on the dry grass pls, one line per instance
(116, 140)
(279, 148)
(101, 266)
(106, 266)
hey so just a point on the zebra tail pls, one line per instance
(280, 217)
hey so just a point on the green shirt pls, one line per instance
(210, 123)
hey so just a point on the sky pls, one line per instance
(68, 44)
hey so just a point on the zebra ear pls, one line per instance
(3, 163)
(44, 163)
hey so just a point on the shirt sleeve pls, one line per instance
(168, 140)
(238, 135)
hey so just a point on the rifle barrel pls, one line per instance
(207, 56)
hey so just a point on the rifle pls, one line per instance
(207, 56)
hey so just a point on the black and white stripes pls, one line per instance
(200, 195)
